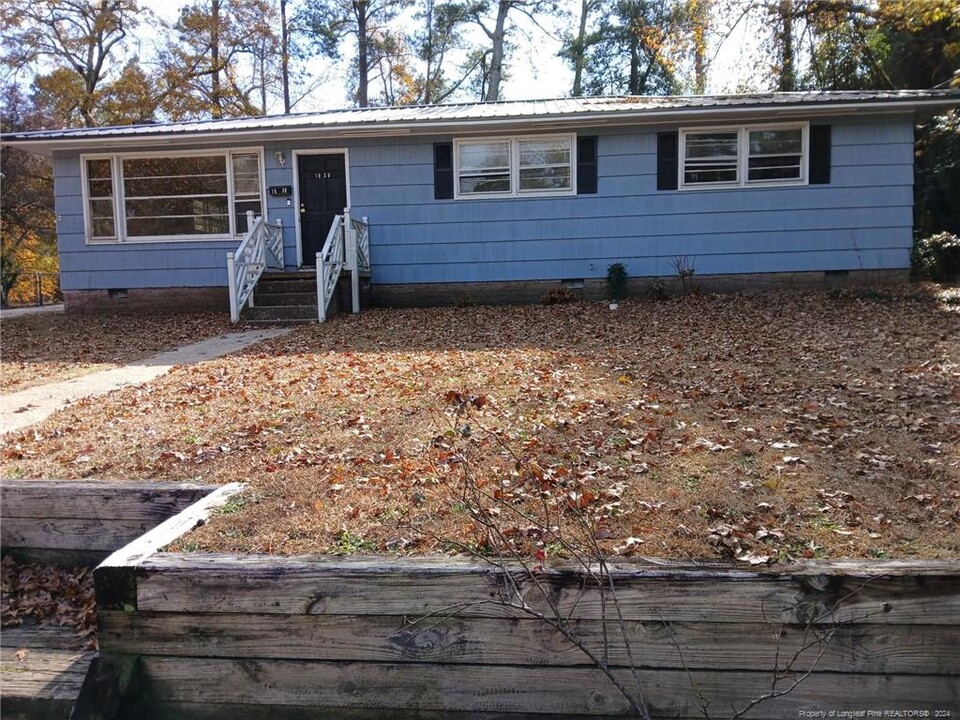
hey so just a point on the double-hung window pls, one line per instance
(744, 156)
(157, 198)
(510, 167)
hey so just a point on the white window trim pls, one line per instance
(515, 191)
(119, 214)
(743, 156)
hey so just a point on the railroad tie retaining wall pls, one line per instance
(218, 636)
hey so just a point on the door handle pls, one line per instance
(303, 208)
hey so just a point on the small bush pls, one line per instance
(658, 290)
(617, 282)
(558, 295)
(938, 256)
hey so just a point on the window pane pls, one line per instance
(240, 208)
(711, 145)
(484, 156)
(100, 208)
(545, 164)
(246, 189)
(712, 174)
(101, 188)
(497, 183)
(175, 167)
(550, 178)
(710, 157)
(246, 174)
(544, 152)
(103, 227)
(161, 226)
(99, 169)
(187, 185)
(775, 142)
(246, 163)
(176, 196)
(775, 155)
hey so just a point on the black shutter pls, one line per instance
(667, 149)
(819, 154)
(443, 171)
(586, 165)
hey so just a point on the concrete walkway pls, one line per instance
(34, 310)
(20, 409)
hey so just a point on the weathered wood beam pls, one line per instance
(866, 648)
(430, 586)
(97, 500)
(670, 693)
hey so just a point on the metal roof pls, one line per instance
(386, 121)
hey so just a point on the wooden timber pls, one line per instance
(910, 650)
(81, 523)
(41, 672)
(419, 586)
(220, 636)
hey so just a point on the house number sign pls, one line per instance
(323, 175)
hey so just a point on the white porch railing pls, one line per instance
(347, 247)
(261, 247)
(362, 229)
(330, 261)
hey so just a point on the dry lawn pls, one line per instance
(760, 427)
(46, 348)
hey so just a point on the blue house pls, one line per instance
(498, 201)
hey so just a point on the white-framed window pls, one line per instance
(748, 155)
(166, 197)
(515, 166)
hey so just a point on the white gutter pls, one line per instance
(373, 129)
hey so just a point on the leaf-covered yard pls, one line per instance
(48, 348)
(762, 427)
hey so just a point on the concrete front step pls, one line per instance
(281, 313)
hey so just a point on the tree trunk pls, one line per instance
(788, 72)
(496, 58)
(580, 50)
(285, 57)
(428, 75)
(701, 21)
(363, 52)
(633, 87)
(216, 94)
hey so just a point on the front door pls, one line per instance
(323, 195)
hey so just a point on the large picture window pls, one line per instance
(744, 156)
(507, 167)
(171, 197)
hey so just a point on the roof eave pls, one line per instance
(611, 118)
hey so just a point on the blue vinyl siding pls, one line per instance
(861, 220)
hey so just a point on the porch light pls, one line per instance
(281, 158)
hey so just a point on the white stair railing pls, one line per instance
(347, 247)
(261, 247)
(330, 261)
(362, 229)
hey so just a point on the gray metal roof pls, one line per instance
(385, 121)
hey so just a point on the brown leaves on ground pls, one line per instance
(748, 427)
(47, 595)
(48, 348)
